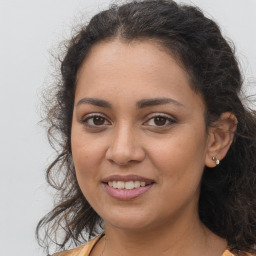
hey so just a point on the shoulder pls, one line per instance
(73, 252)
(229, 253)
(83, 250)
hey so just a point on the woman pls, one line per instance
(157, 151)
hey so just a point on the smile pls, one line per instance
(126, 185)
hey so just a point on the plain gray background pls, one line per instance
(29, 29)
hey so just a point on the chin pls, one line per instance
(129, 220)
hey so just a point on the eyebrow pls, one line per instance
(157, 101)
(140, 104)
(95, 102)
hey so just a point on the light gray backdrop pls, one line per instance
(28, 30)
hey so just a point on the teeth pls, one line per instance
(136, 184)
(127, 185)
(114, 184)
(120, 185)
(143, 184)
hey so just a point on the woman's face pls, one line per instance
(139, 140)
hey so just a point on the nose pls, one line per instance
(124, 148)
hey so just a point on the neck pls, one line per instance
(169, 239)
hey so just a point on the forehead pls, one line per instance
(144, 56)
(140, 68)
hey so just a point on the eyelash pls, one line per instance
(92, 117)
(166, 118)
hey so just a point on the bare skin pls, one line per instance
(203, 242)
(123, 125)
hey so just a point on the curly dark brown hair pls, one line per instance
(227, 204)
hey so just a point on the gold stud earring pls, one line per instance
(216, 160)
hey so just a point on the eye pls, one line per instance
(95, 121)
(160, 121)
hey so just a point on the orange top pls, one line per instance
(86, 249)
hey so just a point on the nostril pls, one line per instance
(124, 155)
(118, 162)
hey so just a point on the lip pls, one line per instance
(124, 194)
(126, 178)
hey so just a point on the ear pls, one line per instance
(220, 137)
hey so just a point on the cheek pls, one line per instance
(85, 164)
(86, 156)
(180, 166)
(86, 171)
(181, 156)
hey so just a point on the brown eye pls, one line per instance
(160, 121)
(98, 120)
(95, 121)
